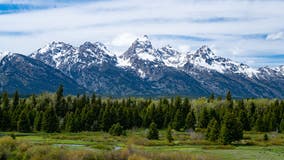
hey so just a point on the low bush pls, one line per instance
(13, 149)
(117, 130)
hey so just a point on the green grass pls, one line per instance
(252, 147)
(237, 153)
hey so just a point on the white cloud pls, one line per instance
(236, 51)
(119, 22)
(275, 36)
(184, 48)
(123, 39)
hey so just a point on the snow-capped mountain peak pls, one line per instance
(55, 48)
(280, 69)
(141, 49)
(205, 52)
(143, 41)
(268, 72)
(206, 59)
(63, 56)
(97, 47)
(171, 57)
(4, 54)
(146, 70)
(54, 53)
(168, 51)
(94, 53)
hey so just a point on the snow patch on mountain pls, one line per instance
(271, 72)
(141, 73)
(4, 54)
(55, 53)
(123, 62)
(140, 49)
(146, 56)
(171, 57)
(63, 56)
(280, 69)
(205, 58)
(142, 54)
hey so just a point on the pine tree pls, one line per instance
(50, 122)
(153, 132)
(231, 129)
(259, 123)
(6, 119)
(229, 96)
(23, 124)
(70, 125)
(211, 97)
(59, 93)
(244, 120)
(106, 120)
(190, 120)
(204, 118)
(1, 120)
(281, 126)
(37, 121)
(212, 132)
(5, 101)
(177, 123)
(16, 98)
(169, 135)
(149, 115)
(59, 102)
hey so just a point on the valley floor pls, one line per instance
(136, 146)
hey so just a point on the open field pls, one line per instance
(252, 147)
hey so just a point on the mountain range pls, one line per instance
(142, 70)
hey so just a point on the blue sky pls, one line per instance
(249, 31)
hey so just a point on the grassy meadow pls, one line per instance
(101, 145)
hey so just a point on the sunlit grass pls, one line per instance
(253, 146)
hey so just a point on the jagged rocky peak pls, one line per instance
(271, 72)
(280, 69)
(55, 48)
(142, 44)
(4, 54)
(62, 55)
(171, 56)
(141, 49)
(206, 59)
(205, 52)
(95, 53)
(54, 53)
(97, 47)
(168, 51)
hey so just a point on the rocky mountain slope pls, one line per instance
(143, 70)
(19, 72)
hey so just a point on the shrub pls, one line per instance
(265, 137)
(116, 130)
(153, 132)
(7, 143)
(169, 135)
(13, 136)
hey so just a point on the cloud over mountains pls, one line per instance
(250, 31)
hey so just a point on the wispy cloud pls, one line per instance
(275, 36)
(16, 8)
(8, 33)
(180, 37)
(236, 29)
